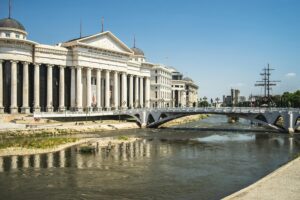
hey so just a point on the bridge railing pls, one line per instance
(169, 109)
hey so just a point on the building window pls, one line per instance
(7, 35)
(17, 36)
(155, 94)
(155, 71)
(155, 79)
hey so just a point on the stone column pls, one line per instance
(173, 98)
(62, 89)
(36, 88)
(124, 90)
(14, 82)
(88, 89)
(79, 90)
(131, 91)
(116, 90)
(98, 93)
(73, 88)
(25, 106)
(49, 88)
(147, 94)
(136, 98)
(179, 99)
(141, 92)
(1, 87)
(107, 90)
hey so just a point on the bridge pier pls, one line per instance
(232, 119)
(291, 127)
(144, 119)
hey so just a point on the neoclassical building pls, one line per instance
(161, 86)
(88, 73)
(184, 90)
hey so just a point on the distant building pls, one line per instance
(242, 99)
(184, 90)
(161, 89)
(227, 101)
(235, 93)
(233, 99)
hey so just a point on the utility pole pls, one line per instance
(267, 84)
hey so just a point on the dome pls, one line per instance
(187, 79)
(11, 23)
(137, 51)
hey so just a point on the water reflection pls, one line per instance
(176, 161)
(227, 138)
(123, 152)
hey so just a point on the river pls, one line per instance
(166, 164)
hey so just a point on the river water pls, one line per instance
(166, 164)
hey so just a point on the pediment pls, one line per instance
(105, 40)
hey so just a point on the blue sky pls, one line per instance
(218, 43)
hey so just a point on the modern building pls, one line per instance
(88, 73)
(233, 99)
(235, 93)
(184, 90)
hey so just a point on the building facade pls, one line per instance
(161, 88)
(184, 90)
(88, 73)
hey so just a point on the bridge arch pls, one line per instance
(262, 118)
(279, 122)
(162, 116)
(150, 119)
(258, 118)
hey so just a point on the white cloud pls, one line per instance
(291, 74)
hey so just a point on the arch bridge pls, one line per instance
(154, 117)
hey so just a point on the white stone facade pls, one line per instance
(90, 73)
(161, 80)
(184, 91)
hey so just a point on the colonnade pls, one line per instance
(114, 92)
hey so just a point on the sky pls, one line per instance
(220, 44)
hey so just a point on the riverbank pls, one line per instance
(184, 120)
(283, 183)
(22, 125)
(99, 142)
